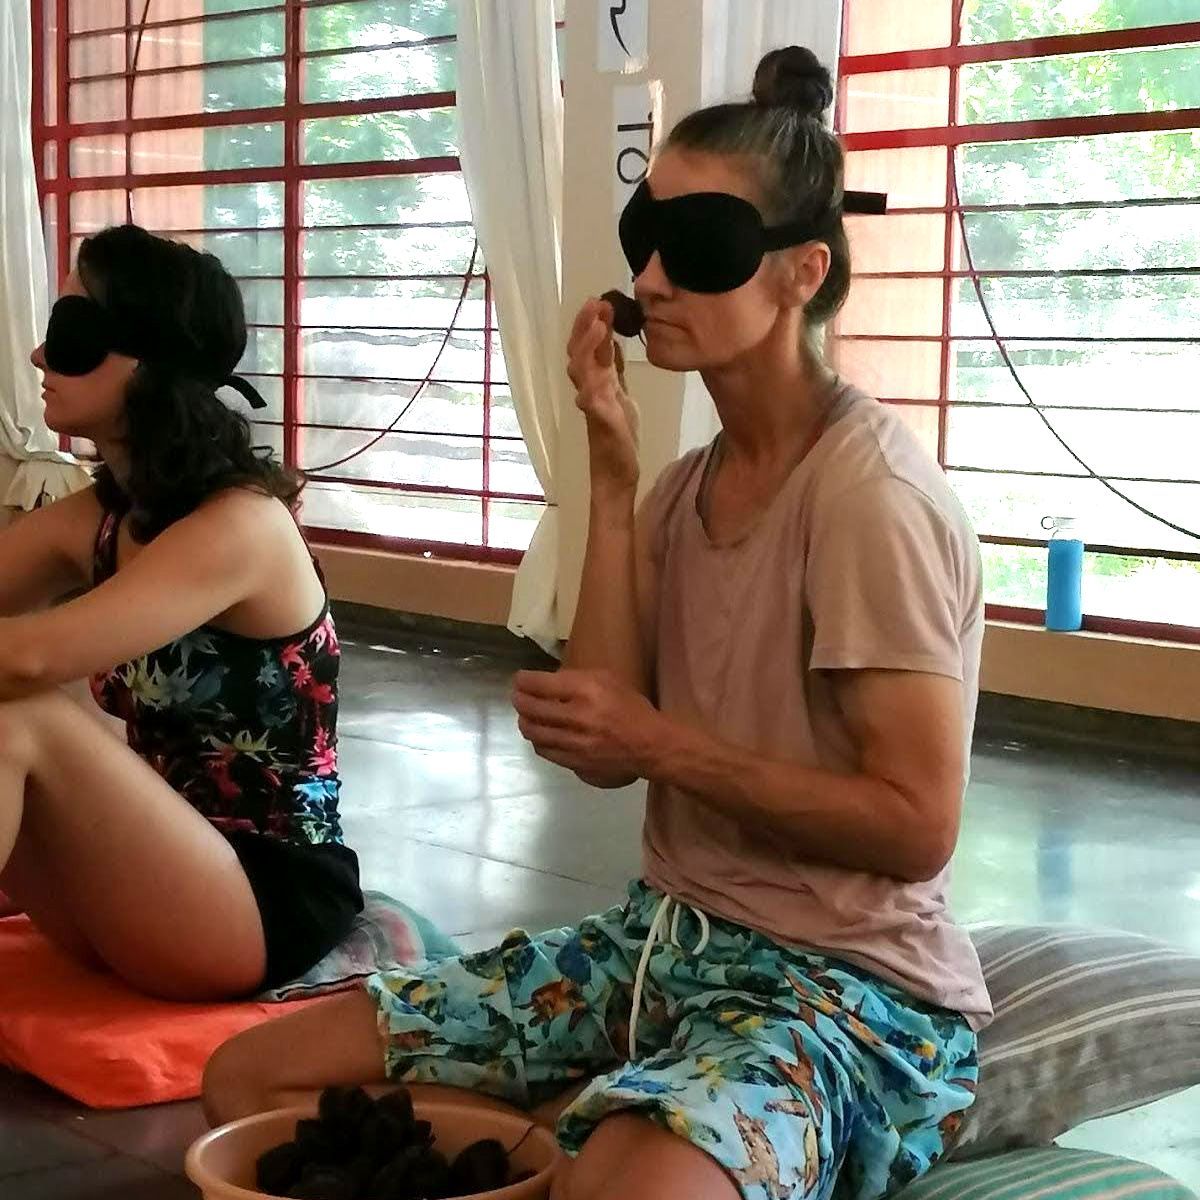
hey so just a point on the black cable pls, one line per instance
(462, 299)
(1006, 358)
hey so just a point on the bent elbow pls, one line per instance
(929, 855)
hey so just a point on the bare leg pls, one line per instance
(137, 873)
(288, 1061)
(631, 1157)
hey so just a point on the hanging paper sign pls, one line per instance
(622, 35)
(637, 123)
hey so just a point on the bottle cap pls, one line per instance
(1063, 523)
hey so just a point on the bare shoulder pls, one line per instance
(239, 511)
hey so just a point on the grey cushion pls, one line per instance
(1088, 1023)
(1052, 1174)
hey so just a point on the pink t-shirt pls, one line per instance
(863, 560)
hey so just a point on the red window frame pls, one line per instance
(955, 56)
(56, 189)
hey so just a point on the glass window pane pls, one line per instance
(427, 459)
(406, 250)
(227, 147)
(1146, 306)
(1111, 166)
(210, 206)
(376, 23)
(1150, 444)
(1014, 505)
(392, 303)
(264, 352)
(511, 524)
(503, 417)
(103, 100)
(913, 177)
(897, 99)
(257, 36)
(509, 469)
(402, 354)
(212, 7)
(890, 370)
(1139, 589)
(449, 408)
(894, 306)
(882, 26)
(369, 74)
(440, 197)
(456, 520)
(1155, 236)
(1004, 21)
(902, 242)
(382, 137)
(263, 300)
(1116, 374)
(208, 89)
(1077, 85)
(95, 14)
(97, 156)
(93, 211)
(103, 54)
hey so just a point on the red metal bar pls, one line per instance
(63, 206)
(198, 19)
(1045, 337)
(307, 110)
(944, 364)
(352, 539)
(444, 39)
(293, 212)
(403, 429)
(189, 68)
(957, 54)
(992, 539)
(1155, 631)
(1027, 474)
(37, 108)
(1079, 273)
(358, 170)
(487, 405)
(129, 82)
(1019, 131)
(1047, 206)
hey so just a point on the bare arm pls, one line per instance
(192, 572)
(897, 815)
(45, 555)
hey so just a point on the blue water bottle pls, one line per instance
(1064, 580)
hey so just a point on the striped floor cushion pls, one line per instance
(1088, 1024)
(1051, 1174)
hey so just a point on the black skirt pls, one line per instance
(308, 897)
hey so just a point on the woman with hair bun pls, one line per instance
(784, 641)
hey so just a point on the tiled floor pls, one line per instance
(449, 810)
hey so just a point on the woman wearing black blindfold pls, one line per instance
(204, 860)
(784, 643)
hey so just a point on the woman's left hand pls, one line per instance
(587, 721)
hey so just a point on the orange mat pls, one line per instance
(95, 1039)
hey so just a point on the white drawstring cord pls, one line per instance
(671, 906)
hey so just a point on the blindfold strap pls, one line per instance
(872, 204)
(245, 389)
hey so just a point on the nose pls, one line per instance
(38, 357)
(652, 283)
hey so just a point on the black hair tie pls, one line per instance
(245, 389)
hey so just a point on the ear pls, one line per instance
(803, 270)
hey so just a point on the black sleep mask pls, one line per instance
(81, 334)
(714, 242)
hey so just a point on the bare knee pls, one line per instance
(25, 725)
(631, 1157)
(236, 1084)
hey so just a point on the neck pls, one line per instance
(115, 456)
(770, 401)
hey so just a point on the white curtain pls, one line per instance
(32, 470)
(511, 145)
(737, 33)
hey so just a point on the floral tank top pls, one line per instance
(245, 729)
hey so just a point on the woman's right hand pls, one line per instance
(595, 366)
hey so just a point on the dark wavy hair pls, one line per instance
(184, 443)
(798, 161)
